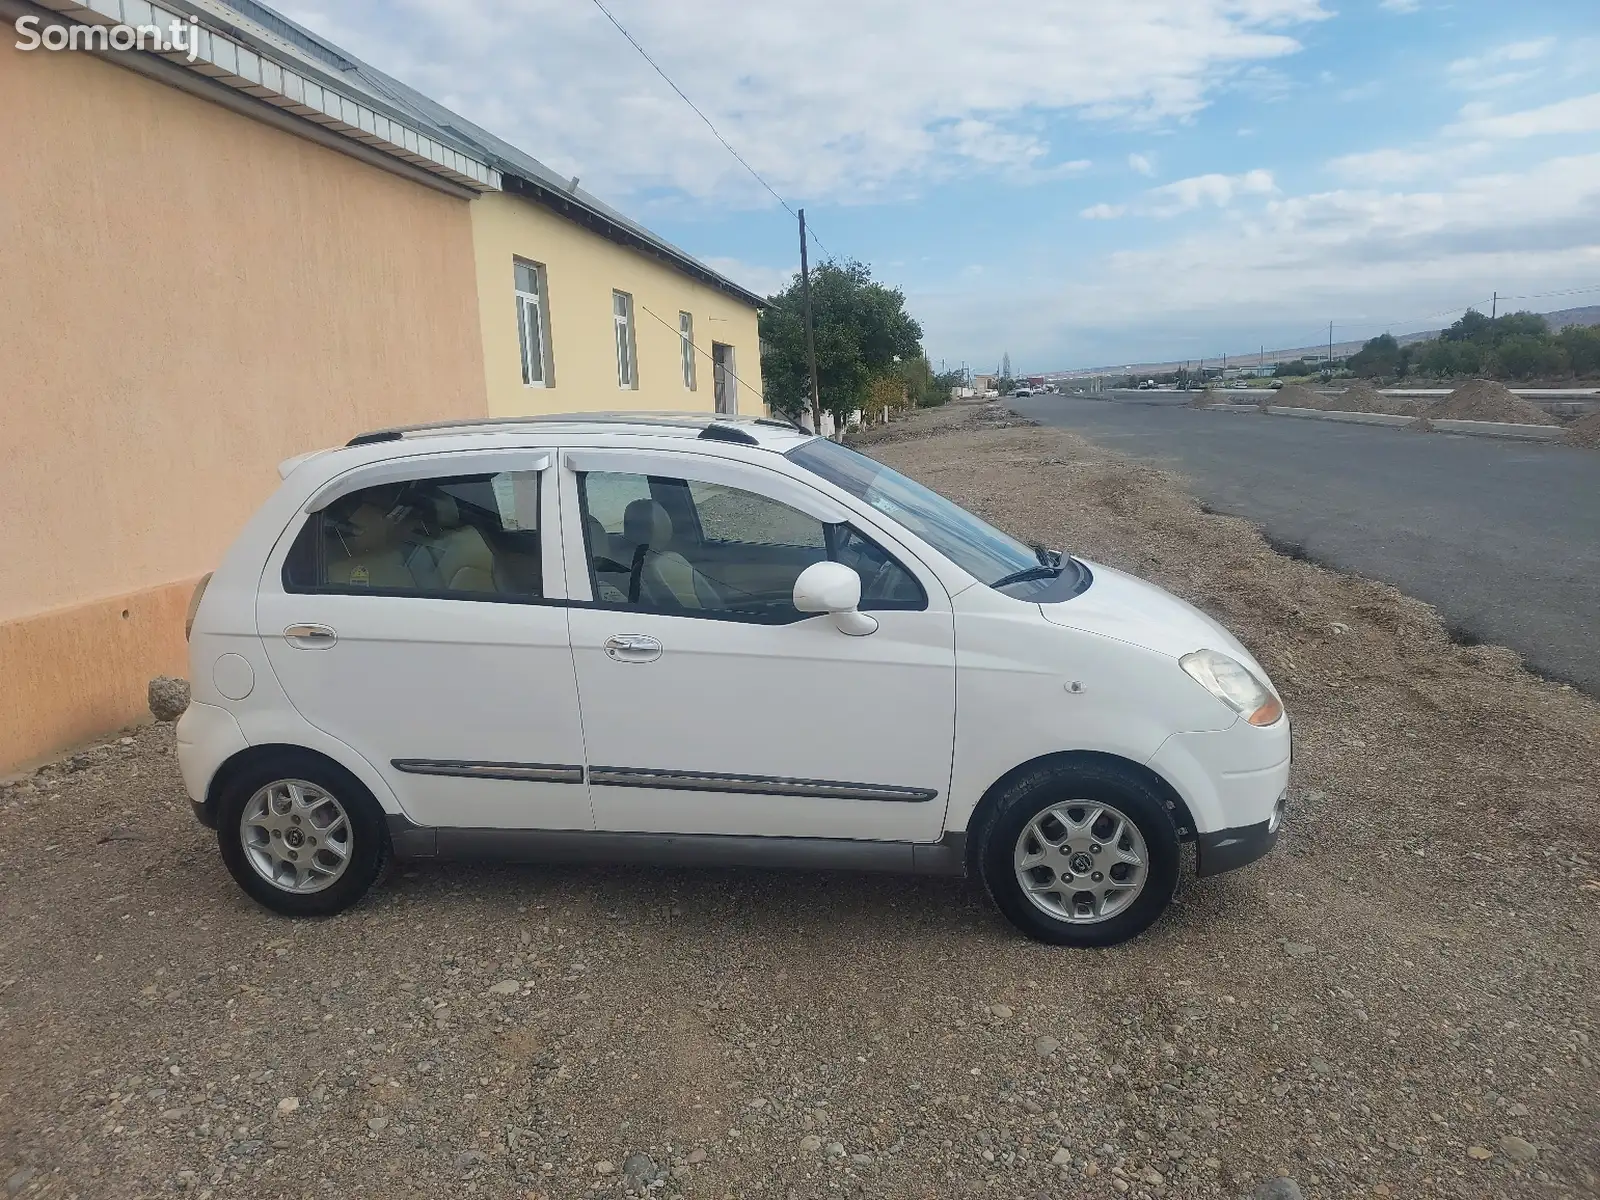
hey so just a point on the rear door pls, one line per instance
(418, 615)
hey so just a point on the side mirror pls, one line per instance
(830, 587)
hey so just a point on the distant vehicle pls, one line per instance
(1275, 384)
(1023, 391)
(1148, 385)
(480, 641)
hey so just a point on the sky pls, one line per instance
(1075, 182)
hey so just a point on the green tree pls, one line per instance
(1380, 356)
(1525, 356)
(944, 383)
(861, 329)
(1471, 326)
(1581, 343)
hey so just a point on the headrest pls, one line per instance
(446, 511)
(599, 539)
(645, 523)
(366, 530)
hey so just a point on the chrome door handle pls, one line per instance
(632, 647)
(310, 637)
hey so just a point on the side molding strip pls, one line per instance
(678, 850)
(766, 785)
(521, 772)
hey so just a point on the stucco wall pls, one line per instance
(582, 269)
(189, 296)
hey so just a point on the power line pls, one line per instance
(727, 145)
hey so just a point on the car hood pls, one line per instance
(1130, 609)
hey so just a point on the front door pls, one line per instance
(420, 621)
(711, 706)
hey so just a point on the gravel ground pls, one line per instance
(1400, 1001)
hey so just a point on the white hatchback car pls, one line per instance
(693, 640)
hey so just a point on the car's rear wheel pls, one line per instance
(301, 835)
(1079, 854)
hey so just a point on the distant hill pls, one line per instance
(1589, 315)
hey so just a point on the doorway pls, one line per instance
(725, 382)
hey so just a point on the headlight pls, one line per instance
(1234, 684)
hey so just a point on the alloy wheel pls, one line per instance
(296, 836)
(1081, 861)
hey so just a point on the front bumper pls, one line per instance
(1230, 849)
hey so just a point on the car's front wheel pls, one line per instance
(1079, 854)
(301, 835)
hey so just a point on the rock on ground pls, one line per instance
(168, 697)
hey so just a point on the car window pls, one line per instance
(459, 537)
(610, 494)
(970, 542)
(702, 549)
(729, 514)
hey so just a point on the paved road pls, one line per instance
(1502, 537)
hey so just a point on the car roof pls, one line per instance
(751, 432)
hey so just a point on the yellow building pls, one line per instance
(572, 319)
(215, 259)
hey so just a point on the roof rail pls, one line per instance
(667, 418)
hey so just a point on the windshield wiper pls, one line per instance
(1042, 571)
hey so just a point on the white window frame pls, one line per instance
(627, 349)
(536, 347)
(686, 349)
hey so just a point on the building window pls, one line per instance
(686, 347)
(627, 354)
(533, 326)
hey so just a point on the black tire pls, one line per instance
(1026, 797)
(369, 841)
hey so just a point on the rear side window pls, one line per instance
(472, 537)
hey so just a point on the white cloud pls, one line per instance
(1396, 165)
(1400, 6)
(1365, 257)
(764, 281)
(1578, 114)
(1141, 165)
(834, 101)
(1183, 195)
(1497, 68)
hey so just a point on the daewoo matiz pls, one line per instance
(695, 640)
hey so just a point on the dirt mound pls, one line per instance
(1362, 397)
(1296, 395)
(1584, 432)
(1485, 400)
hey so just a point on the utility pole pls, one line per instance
(1494, 306)
(1330, 347)
(811, 341)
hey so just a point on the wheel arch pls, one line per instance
(250, 756)
(1177, 808)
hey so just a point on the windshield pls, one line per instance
(972, 544)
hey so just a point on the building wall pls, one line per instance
(190, 296)
(581, 270)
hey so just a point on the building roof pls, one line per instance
(522, 173)
(250, 47)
